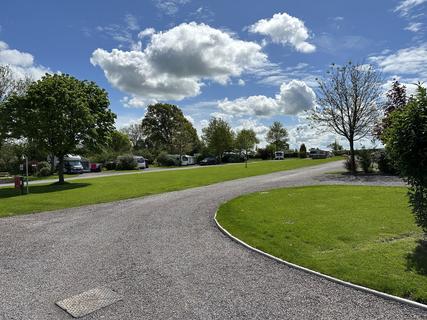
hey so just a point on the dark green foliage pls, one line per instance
(119, 142)
(165, 161)
(44, 172)
(278, 136)
(406, 142)
(218, 137)
(43, 169)
(110, 165)
(233, 158)
(126, 162)
(385, 163)
(166, 128)
(303, 151)
(61, 114)
(364, 159)
(336, 148)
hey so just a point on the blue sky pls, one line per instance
(250, 62)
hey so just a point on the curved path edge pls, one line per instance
(319, 274)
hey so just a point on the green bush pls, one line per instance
(165, 161)
(406, 141)
(348, 164)
(44, 172)
(385, 163)
(111, 165)
(126, 162)
(263, 153)
(364, 160)
(303, 151)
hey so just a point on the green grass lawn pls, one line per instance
(106, 189)
(365, 235)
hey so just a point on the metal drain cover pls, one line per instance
(89, 301)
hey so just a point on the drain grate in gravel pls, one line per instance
(89, 301)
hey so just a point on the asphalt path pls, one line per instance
(166, 257)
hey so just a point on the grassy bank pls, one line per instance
(106, 189)
(365, 235)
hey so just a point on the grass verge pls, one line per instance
(106, 189)
(364, 235)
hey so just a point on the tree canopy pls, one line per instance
(278, 136)
(165, 128)
(406, 141)
(61, 114)
(218, 137)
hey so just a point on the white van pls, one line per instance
(141, 162)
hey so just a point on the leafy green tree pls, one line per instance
(218, 137)
(166, 128)
(406, 142)
(10, 84)
(61, 115)
(302, 151)
(245, 141)
(119, 143)
(278, 136)
(348, 103)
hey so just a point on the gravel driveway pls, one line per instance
(168, 260)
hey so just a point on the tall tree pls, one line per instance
(406, 142)
(218, 137)
(61, 114)
(161, 126)
(10, 84)
(302, 151)
(119, 142)
(336, 147)
(396, 99)
(348, 103)
(278, 136)
(245, 141)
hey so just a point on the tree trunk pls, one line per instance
(52, 163)
(352, 157)
(61, 169)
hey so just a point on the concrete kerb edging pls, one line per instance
(342, 282)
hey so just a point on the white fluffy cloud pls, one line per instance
(175, 63)
(408, 61)
(22, 63)
(293, 98)
(286, 30)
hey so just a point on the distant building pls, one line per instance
(316, 153)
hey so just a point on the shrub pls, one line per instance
(385, 163)
(165, 161)
(233, 158)
(303, 151)
(44, 172)
(126, 162)
(263, 153)
(43, 164)
(111, 165)
(348, 165)
(364, 160)
(406, 141)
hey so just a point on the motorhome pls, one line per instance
(186, 160)
(279, 155)
(319, 154)
(141, 162)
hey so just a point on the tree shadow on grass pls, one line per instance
(42, 189)
(417, 260)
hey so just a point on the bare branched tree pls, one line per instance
(349, 103)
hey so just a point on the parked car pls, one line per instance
(208, 161)
(96, 167)
(141, 162)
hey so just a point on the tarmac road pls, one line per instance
(166, 257)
